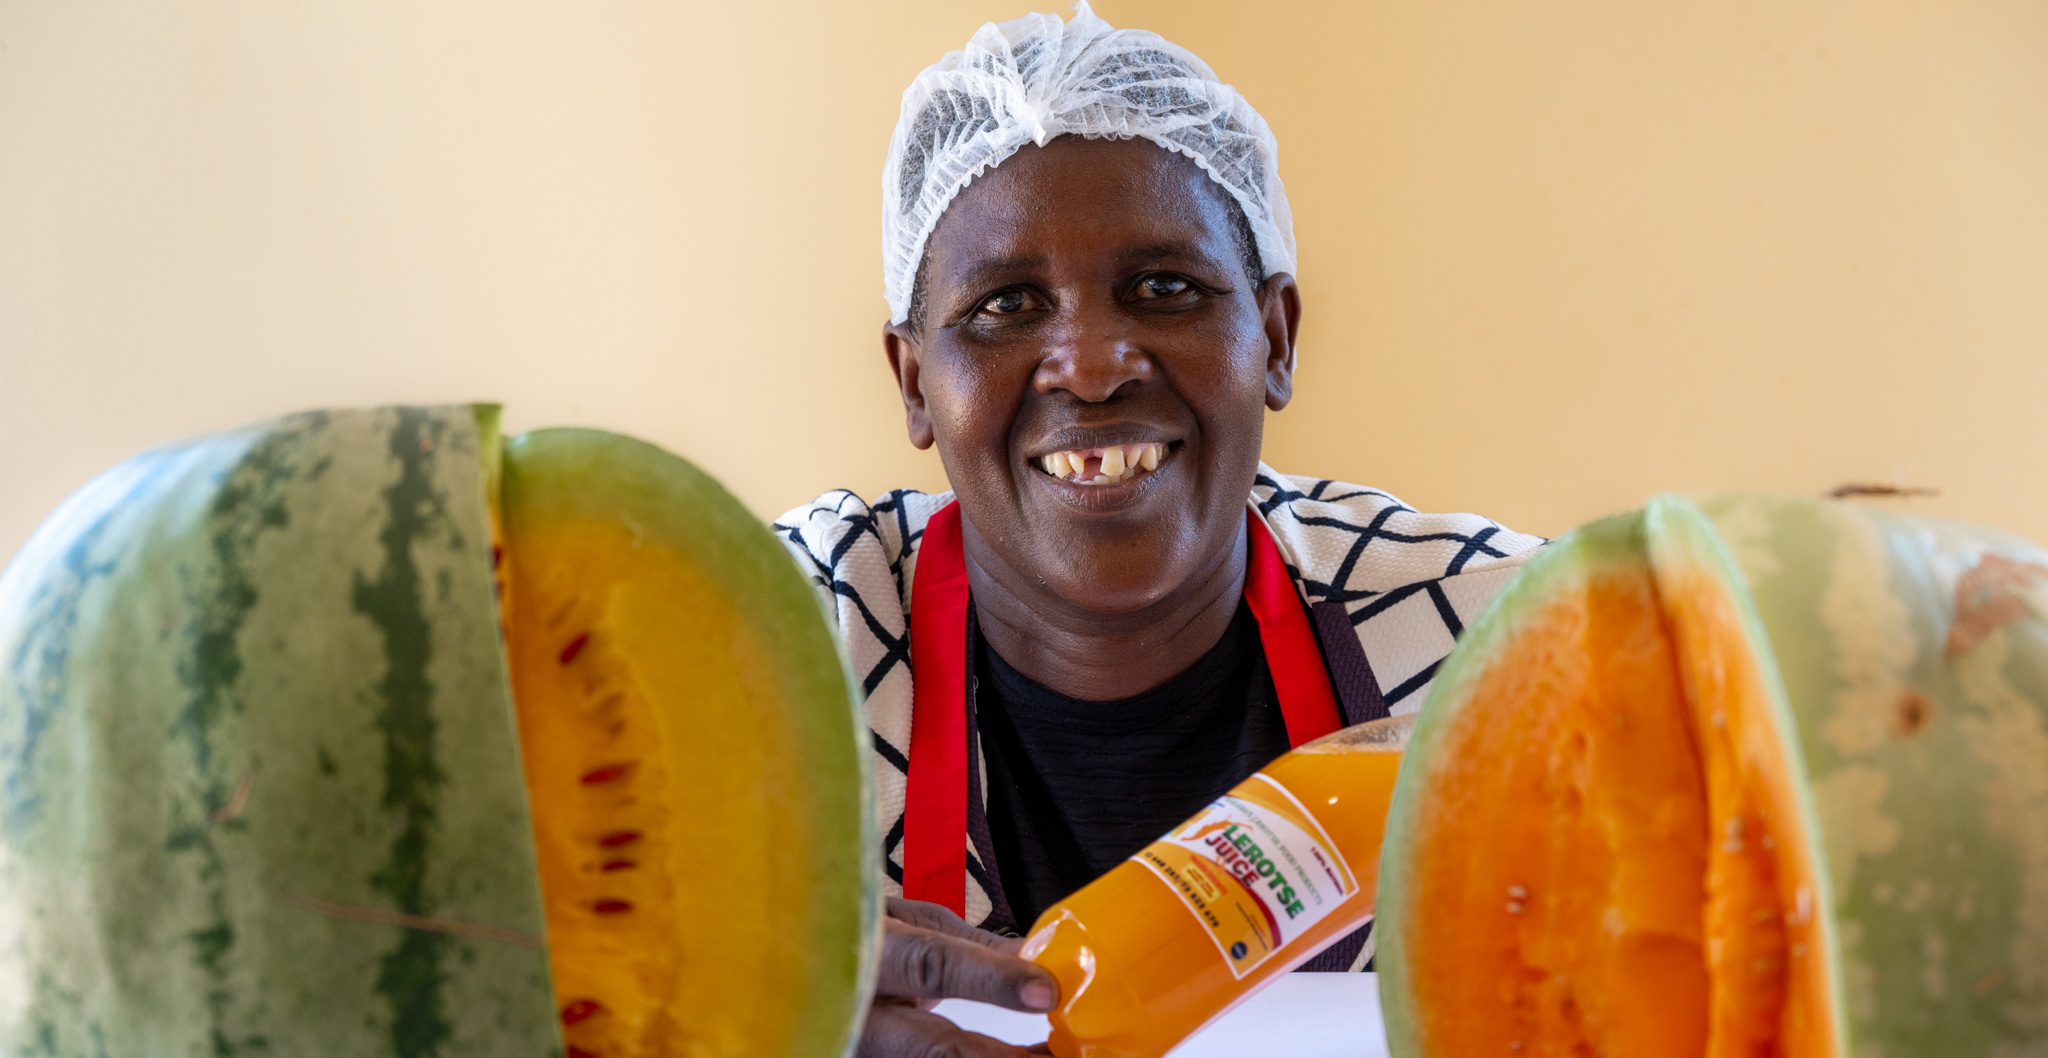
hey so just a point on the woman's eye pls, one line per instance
(1162, 286)
(1007, 303)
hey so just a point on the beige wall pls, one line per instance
(1556, 256)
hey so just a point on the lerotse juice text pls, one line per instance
(1251, 887)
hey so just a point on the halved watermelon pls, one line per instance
(271, 780)
(1756, 776)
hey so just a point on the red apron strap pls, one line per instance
(935, 792)
(1307, 703)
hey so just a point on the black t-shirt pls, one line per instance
(1075, 787)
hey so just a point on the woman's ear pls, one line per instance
(1280, 304)
(902, 345)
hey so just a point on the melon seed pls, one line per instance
(581, 1010)
(608, 773)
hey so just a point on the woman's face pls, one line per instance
(1094, 365)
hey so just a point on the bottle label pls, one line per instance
(1255, 868)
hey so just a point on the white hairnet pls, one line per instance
(1034, 78)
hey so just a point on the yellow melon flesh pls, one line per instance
(641, 696)
(1605, 868)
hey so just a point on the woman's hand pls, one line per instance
(929, 954)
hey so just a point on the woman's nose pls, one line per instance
(1092, 357)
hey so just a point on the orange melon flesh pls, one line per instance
(1579, 928)
(1765, 955)
(1604, 868)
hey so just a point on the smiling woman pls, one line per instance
(1119, 613)
(1084, 297)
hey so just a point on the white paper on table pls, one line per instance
(1298, 1016)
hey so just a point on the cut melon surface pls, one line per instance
(698, 855)
(1774, 985)
(1597, 847)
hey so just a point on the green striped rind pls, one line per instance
(1560, 569)
(589, 475)
(1682, 539)
(253, 700)
(1936, 833)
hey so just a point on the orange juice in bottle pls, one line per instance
(1251, 887)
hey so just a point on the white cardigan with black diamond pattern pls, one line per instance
(1409, 581)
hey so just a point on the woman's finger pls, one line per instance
(920, 963)
(938, 917)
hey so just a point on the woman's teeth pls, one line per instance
(1102, 466)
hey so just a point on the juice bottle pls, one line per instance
(1248, 889)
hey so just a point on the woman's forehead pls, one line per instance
(1124, 198)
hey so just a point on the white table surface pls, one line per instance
(1313, 1015)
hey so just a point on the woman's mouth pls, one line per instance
(1108, 465)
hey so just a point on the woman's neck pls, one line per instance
(1096, 656)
